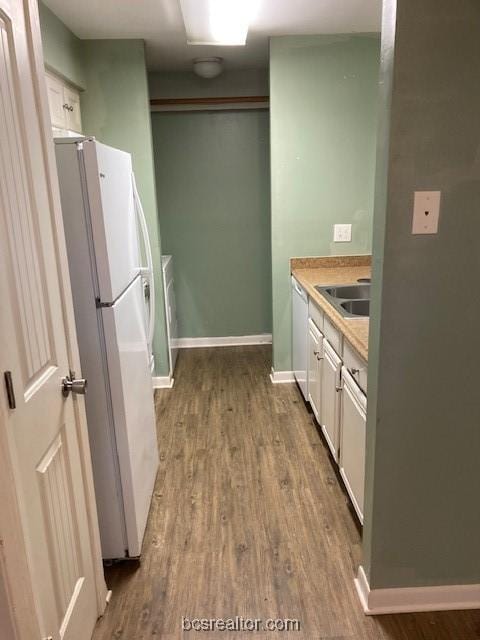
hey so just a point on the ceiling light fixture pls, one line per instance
(208, 67)
(218, 22)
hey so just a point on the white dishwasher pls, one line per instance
(299, 336)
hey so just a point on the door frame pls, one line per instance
(15, 567)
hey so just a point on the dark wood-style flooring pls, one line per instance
(249, 519)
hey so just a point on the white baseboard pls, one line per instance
(227, 341)
(281, 377)
(414, 599)
(162, 382)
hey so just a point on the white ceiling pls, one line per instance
(160, 24)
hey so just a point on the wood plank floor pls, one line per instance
(249, 519)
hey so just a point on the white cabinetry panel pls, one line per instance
(330, 416)
(55, 101)
(353, 433)
(64, 104)
(315, 357)
(72, 109)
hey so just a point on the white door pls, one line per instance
(42, 434)
(133, 409)
(330, 415)
(315, 357)
(114, 222)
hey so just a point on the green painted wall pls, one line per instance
(323, 96)
(422, 520)
(62, 50)
(115, 109)
(213, 189)
(239, 82)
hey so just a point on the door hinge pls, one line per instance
(10, 390)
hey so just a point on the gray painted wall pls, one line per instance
(213, 187)
(422, 517)
(323, 96)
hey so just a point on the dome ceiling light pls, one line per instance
(208, 67)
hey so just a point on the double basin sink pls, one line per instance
(350, 300)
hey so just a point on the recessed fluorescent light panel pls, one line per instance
(218, 22)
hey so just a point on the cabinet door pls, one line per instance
(352, 446)
(315, 351)
(72, 100)
(330, 397)
(56, 102)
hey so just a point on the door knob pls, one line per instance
(74, 385)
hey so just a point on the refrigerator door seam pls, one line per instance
(111, 425)
(103, 305)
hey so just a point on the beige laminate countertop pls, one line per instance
(336, 270)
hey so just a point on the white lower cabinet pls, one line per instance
(315, 359)
(352, 440)
(336, 393)
(330, 397)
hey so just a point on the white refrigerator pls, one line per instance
(102, 219)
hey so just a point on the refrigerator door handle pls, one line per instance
(148, 271)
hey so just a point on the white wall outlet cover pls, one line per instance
(342, 233)
(426, 212)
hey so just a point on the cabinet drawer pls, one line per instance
(333, 335)
(357, 367)
(315, 314)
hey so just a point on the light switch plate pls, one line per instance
(342, 233)
(426, 211)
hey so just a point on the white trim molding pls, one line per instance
(281, 377)
(162, 382)
(237, 106)
(227, 341)
(414, 599)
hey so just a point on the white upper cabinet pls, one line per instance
(72, 109)
(64, 104)
(55, 101)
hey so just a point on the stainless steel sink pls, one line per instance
(357, 307)
(350, 300)
(350, 292)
